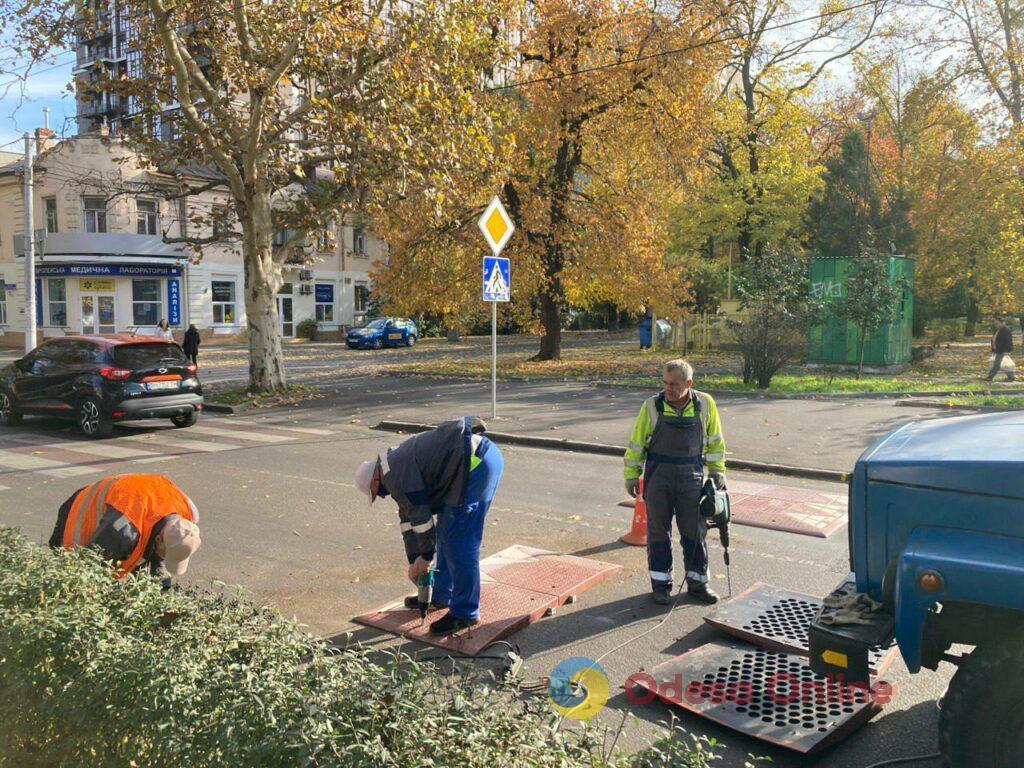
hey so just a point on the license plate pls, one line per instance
(151, 385)
(394, 335)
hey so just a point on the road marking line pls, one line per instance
(197, 445)
(106, 450)
(279, 425)
(23, 462)
(240, 435)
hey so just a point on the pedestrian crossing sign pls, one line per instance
(496, 225)
(496, 281)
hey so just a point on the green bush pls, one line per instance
(103, 673)
(308, 329)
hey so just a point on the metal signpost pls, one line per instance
(497, 285)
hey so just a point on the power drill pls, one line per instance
(424, 592)
(714, 506)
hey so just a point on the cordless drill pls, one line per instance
(424, 592)
(714, 506)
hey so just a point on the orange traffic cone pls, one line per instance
(637, 536)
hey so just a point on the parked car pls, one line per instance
(383, 332)
(98, 380)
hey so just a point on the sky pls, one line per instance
(21, 107)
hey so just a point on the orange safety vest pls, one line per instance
(143, 499)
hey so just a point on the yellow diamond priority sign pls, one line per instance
(496, 226)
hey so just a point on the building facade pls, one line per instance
(104, 264)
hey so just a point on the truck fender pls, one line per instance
(976, 568)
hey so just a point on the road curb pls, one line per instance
(603, 449)
(229, 409)
(957, 406)
(600, 384)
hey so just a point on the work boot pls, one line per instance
(702, 595)
(413, 601)
(661, 598)
(449, 624)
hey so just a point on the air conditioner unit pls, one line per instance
(305, 274)
(305, 290)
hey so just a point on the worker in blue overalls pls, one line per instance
(450, 472)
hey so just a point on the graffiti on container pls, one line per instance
(827, 289)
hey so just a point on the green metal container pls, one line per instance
(835, 341)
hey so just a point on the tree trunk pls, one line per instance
(262, 281)
(551, 330)
(860, 352)
(973, 314)
(613, 317)
(454, 336)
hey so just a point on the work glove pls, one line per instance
(719, 479)
(633, 487)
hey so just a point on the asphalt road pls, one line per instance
(281, 518)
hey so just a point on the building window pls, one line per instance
(219, 214)
(56, 302)
(223, 301)
(358, 241)
(145, 302)
(323, 240)
(3, 305)
(50, 205)
(146, 217)
(324, 302)
(95, 211)
(362, 297)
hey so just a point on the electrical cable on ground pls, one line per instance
(904, 760)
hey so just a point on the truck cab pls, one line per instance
(936, 533)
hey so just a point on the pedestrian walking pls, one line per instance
(676, 436)
(135, 520)
(1002, 346)
(451, 472)
(163, 331)
(190, 345)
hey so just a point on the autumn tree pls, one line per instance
(779, 51)
(300, 111)
(871, 298)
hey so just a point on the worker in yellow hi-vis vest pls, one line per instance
(676, 436)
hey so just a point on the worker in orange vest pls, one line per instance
(133, 519)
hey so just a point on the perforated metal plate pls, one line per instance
(778, 619)
(770, 696)
(517, 586)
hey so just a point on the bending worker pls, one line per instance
(677, 434)
(451, 471)
(135, 520)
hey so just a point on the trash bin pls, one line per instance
(644, 328)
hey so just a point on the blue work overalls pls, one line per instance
(459, 532)
(673, 481)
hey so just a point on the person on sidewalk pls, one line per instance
(451, 472)
(190, 344)
(1002, 346)
(676, 435)
(135, 520)
(163, 330)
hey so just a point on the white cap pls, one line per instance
(364, 477)
(181, 540)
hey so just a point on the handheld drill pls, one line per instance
(424, 593)
(714, 506)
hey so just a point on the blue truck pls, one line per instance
(936, 534)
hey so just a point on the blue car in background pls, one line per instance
(383, 332)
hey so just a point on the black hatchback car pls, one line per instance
(97, 380)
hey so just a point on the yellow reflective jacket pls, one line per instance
(643, 429)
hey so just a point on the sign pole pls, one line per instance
(494, 359)
(30, 256)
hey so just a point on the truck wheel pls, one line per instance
(982, 718)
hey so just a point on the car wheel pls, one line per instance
(183, 420)
(378, 343)
(981, 721)
(10, 416)
(92, 420)
(410, 340)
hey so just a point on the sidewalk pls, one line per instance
(824, 434)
